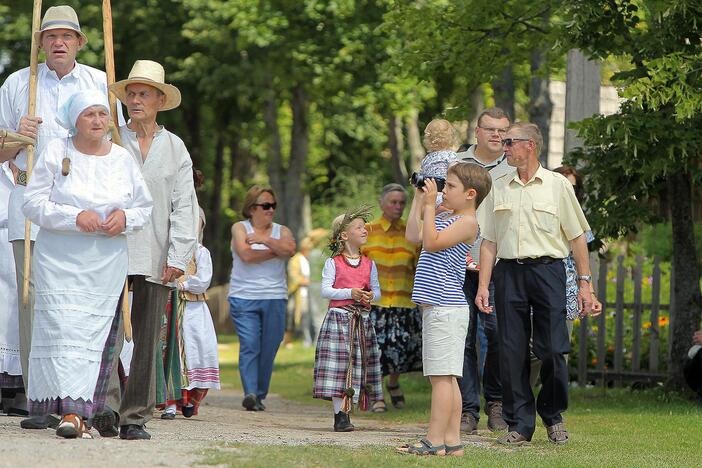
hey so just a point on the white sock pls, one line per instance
(170, 409)
(337, 404)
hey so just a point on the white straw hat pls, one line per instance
(149, 73)
(60, 17)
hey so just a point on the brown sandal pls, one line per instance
(73, 426)
(557, 434)
(512, 439)
(379, 407)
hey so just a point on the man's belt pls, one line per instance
(532, 261)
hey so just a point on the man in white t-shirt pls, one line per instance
(59, 77)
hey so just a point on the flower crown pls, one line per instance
(336, 245)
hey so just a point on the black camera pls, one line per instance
(418, 180)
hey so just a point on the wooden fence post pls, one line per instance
(619, 323)
(654, 344)
(602, 322)
(638, 308)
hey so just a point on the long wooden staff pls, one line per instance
(31, 111)
(110, 71)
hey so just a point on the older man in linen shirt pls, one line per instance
(159, 254)
(530, 221)
(58, 79)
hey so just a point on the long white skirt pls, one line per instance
(200, 340)
(78, 278)
(9, 312)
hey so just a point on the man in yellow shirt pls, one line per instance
(530, 221)
(397, 321)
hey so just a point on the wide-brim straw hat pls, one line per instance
(149, 73)
(60, 17)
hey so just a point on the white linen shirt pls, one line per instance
(97, 183)
(52, 93)
(171, 237)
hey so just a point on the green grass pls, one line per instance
(613, 427)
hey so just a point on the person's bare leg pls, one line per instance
(442, 406)
(453, 430)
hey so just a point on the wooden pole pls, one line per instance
(110, 71)
(7, 137)
(31, 111)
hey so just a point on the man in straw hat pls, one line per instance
(159, 254)
(59, 77)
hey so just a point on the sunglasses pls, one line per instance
(267, 206)
(509, 142)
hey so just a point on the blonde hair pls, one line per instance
(472, 176)
(531, 131)
(439, 135)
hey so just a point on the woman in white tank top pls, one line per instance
(258, 291)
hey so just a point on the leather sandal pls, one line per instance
(73, 426)
(398, 401)
(512, 439)
(557, 434)
(424, 448)
(379, 407)
(453, 450)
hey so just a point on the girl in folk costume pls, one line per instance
(85, 193)
(199, 362)
(347, 359)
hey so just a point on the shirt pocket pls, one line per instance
(546, 216)
(502, 212)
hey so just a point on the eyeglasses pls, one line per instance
(267, 206)
(509, 142)
(500, 131)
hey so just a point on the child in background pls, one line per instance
(440, 144)
(438, 290)
(347, 359)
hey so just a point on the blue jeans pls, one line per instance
(260, 325)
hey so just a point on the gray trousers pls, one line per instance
(137, 403)
(26, 314)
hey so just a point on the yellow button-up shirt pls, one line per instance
(395, 258)
(533, 219)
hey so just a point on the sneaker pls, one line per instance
(342, 422)
(259, 404)
(495, 422)
(469, 424)
(40, 422)
(250, 402)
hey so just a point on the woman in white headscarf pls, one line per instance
(84, 193)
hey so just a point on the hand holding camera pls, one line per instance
(419, 181)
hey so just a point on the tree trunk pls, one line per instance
(503, 88)
(476, 108)
(275, 157)
(396, 142)
(215, 218)
(414, 141)
(686, 297)
(293, 202)
(191, 116)
(540, 105)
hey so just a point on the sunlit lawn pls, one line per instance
(613, 427)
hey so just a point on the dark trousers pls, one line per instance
(470, 382)
(519, 290)
(137, 403)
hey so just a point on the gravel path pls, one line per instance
(181, 441)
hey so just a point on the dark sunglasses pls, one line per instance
(509, 142)
(267, 206)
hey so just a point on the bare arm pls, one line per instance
(7, 154)
(582, 265)
(284, 247)
(413, 232)
(488, 253)
(244, 250)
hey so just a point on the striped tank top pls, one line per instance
(440, 275)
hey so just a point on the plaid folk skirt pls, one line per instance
(332, 358)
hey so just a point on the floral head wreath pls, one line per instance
(336, 245)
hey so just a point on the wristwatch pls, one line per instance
(587, 278)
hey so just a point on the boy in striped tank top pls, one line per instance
(438, 290)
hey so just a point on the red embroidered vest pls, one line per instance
(348, 276)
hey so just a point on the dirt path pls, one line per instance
(181, 441)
